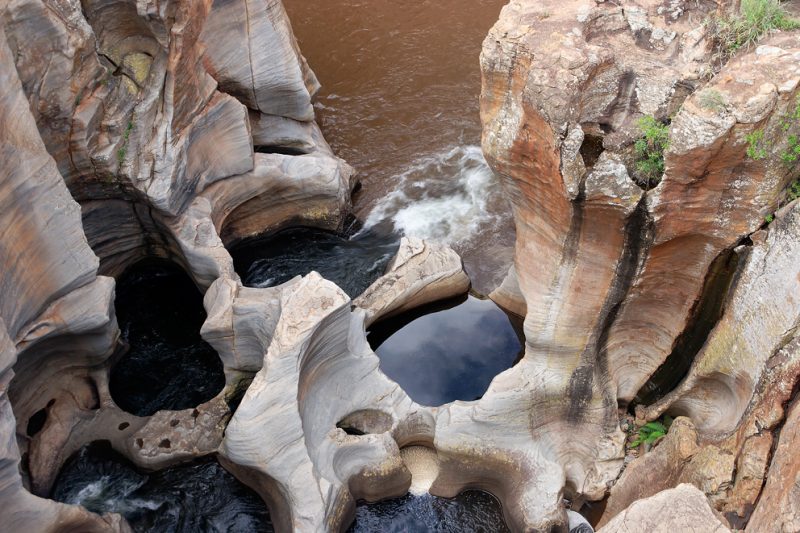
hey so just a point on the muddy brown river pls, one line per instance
(399, 101)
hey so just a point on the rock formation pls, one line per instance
(616, 274)
(135, 130)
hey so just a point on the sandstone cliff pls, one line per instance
(622, 279)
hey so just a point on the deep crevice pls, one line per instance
(590, 149)
(36, 422)
(282, 150)
(707, 311)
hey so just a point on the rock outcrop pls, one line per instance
(614, 270)
(683, 508)
(54, 306)
(135, 130)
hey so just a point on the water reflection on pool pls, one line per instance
(448, 351)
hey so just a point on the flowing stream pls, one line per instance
(399, 101)
(198, 497)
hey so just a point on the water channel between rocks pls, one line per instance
(400, 103)
(199, 496)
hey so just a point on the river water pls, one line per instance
(399, 101)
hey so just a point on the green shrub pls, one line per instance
(756, 145)
(650, 150)
(755, 19)
(123, 150)
(794, 191)
(712, 99)
(652, 431)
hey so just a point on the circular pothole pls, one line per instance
(448, 351)
(169, 365)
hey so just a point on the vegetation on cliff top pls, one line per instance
(650, 151)
(755, 19)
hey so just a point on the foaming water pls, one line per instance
(447, 351)
(200, 496)
(451, 196)
(400, 102)
(470, 512)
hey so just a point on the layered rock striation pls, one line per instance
(619, 274)
(135, 130)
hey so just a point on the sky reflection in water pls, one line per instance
(449, 352)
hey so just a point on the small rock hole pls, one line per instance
(139, 443)
(174, 423)
(591, 148)
(123, 426)
(164, 443)
(36, 422)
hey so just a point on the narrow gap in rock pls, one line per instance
(36, 422)
(350, 430)
(234, 399)
(365, 422)
(705, 315)
(282, 150)
(590, 150)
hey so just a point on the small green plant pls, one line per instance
(792, 152)
(756, 145)
(652, 431)
(650, 150)
(123, 150)
(794, 191)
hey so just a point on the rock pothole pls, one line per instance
(353, 264)
(168, 365)
(448, 351)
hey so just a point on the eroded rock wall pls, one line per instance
(611, 269)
